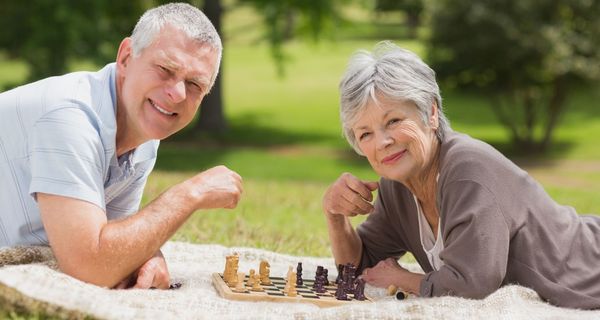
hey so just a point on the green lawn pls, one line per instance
(285, 140)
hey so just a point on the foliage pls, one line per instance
(281, 20)
(524, 55)
(48, 34)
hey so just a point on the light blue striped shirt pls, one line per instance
(58, 136)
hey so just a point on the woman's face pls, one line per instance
(394, 139)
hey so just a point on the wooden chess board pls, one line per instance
(274, 293)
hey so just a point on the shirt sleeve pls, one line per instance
(476, 244)
(67, 156)
(378, 235)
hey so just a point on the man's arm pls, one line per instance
(94, 250)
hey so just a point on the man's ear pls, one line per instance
(124, 54)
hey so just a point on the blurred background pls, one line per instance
(520, 75)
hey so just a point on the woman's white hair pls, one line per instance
(394, 73)
(182, 16)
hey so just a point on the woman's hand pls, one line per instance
(388, 272)
(349, 196)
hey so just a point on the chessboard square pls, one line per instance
(310, 296)
(276, 294)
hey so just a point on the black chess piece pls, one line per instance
(349, 277)
(340, 293)
(318, 286)
(326, 276)
(318, 273)
(340, 268)
(299, 281)
(359, 289)
(401, 295)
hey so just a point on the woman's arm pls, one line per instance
(346, 197)
(476, 243)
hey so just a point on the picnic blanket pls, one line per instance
(30, 281)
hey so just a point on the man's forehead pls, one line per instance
(176, 62)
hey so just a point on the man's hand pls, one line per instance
(387, 272)
(217, 187)
(349, 196)
(152, 274)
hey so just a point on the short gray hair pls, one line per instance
(182, 16)
(397, 74)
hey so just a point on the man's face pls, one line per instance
(161, 88)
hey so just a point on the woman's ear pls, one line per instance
(434, 118)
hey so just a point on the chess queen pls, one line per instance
(472, 218)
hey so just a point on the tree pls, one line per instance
(47, 34)
(280, 18)
(412, 9)
(524, 55)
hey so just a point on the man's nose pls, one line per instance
(176, 91)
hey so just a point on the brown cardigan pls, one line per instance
(499, 226)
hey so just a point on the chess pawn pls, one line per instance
(256, 283)
(251, 279)
(240, 287)
(292, 292)
(326, 277)
(264, 270)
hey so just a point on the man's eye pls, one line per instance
(164, 70)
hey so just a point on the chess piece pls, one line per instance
(239, 286)
(299, 281)
(359, 289)
(349, 275)
(251, 278)
(291, 285)
(340, 268)
(256, 283)
(318, 273)
(391, 290)
(340, 292)
(288, 276)
(265, 270)
(401, 295)
(231, 269)
(318, 286)
(326, 277)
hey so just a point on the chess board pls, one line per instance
(274, 293)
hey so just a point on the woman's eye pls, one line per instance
(364, 135)
(393, 121)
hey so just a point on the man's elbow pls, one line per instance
(92, 272)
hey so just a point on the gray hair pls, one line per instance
(397, 74)
(182, 16)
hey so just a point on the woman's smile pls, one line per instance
(393, 158)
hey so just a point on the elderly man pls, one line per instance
(76, 151)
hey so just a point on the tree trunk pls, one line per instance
(212, 118)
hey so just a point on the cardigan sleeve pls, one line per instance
(379, 233)
(476, 243)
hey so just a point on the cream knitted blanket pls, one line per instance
(29, 281)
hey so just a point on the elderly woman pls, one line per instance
(473, 220)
